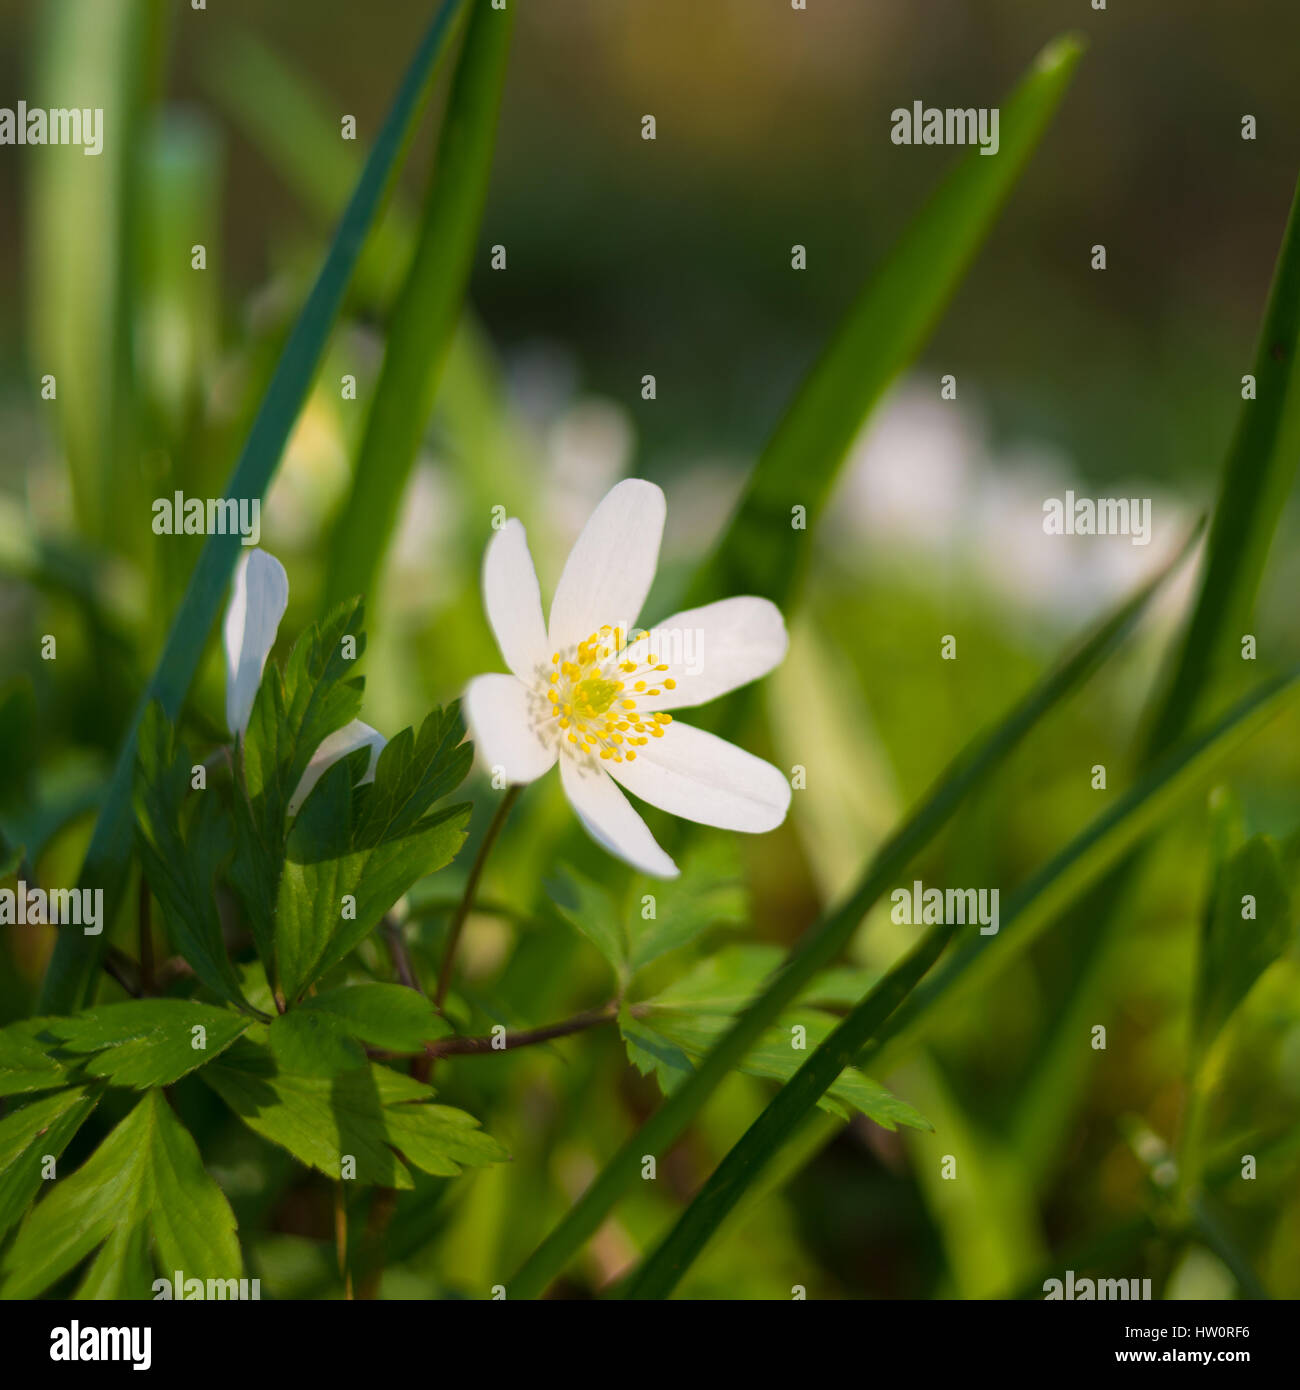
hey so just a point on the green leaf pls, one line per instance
(391, 1017)
(147, 1172)
(25, 1061)
(970, 770)
(181, 848)
(1236, 948)
(427, 306)
(760, 552)
(73, 972)
(148, 1042)
(661, 916)
(368, 1113)
(293, 713)
(27, 1135)
(353, 852)
(592, 909)
(690, 1036)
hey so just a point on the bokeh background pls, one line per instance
(673, 258)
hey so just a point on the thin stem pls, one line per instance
(467, 900)
(508, 1042)
(146, 939)
(341, 1238)
(401, 957)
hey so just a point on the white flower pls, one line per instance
(258, 600)
(593, 693)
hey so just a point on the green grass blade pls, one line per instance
(72, 974)
(824, 942)
(427, 309)
(1030, 910)
(1257, 475)
(760, 552)
(1258, 472)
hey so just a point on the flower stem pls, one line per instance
(471, 887)
(341, 1238)
(470, 1047)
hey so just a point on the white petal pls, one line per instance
(612, 564)
(514, 601)
(500, 723)
(338, 745)
(610, 819)
(257, 603)
(709, 651)
(701, 777)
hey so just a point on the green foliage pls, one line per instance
(181, 851)
(427, 307)
(73, 973)
(25, 1063)
(1240, 939)
(145, 1185)
(292, 715)
(657, 917)
(385, 1120)
(27, 1135)
(147, 1042)
(352, 853)
(761, 552)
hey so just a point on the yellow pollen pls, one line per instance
(670, 685)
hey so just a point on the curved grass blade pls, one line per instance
(972, 767)
(1030, 910)
(1257, 475)
(72, 974)
(760, 552)
(1258, 472)
(427, 309)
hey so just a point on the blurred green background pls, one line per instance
(673, 258)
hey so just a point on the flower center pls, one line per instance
(588, 699)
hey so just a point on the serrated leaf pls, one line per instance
(592, 910)
(314, 1044)
(709, 892)
(27, 1135)
(660, 917)
(367, 1113)
(148, 1042)
(391, 1017)
(181, 848)
(293, 713)
(354, 851)
(148, 1170)
(1236, 948)
(679, 1034)
(25, 1060)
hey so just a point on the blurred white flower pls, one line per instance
(593, 694)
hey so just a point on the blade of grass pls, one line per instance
(1257, 474)
(901, 999)
(972, 767)
(427, 309)
(73, 971)
(760, 552)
